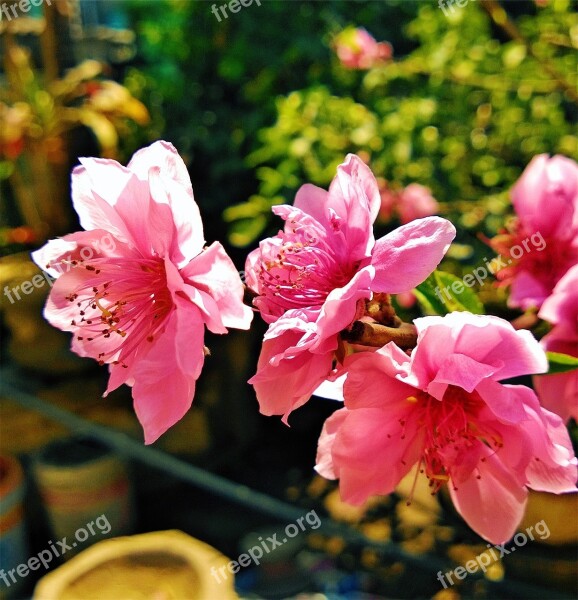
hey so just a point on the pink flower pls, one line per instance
(137, 288)
(444, 409)
(357, 49)
(545, 199)
(389, 199)
(559, 393)
(414, 202)
(311, 278)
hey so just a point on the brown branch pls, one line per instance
(376, 335)
(380, 309)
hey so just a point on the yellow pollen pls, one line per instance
(411, 399)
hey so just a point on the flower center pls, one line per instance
(546, 257)
(123, 299)
(451, 430)
(302, 273)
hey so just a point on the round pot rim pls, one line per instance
(195, 553)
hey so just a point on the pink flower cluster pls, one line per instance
(142, 304)
(545, 200)
(358, 49)
(444, 409)
(312, 278)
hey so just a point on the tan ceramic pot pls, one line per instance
(165, 564)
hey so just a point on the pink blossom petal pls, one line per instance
(94, 201)
(340, 307)
(164, 156)
(348, 210)
(435, 342)
(494, 341)
(125, 193)
(324, 462)
(486, 339)
(56, 257)
(462, 371)
(283, 388)
(313, 201)
(370, 456)
(505, 401)
(59, 311)
(118, 376)
(355, 199)
(353, 177)
(165, 378)
(493, 505)
(213, 272)
(527, 291)
(371, 382)
(553, 467)
(406, 256)
(160, 221)
(559, 393)
(252, 265)
(545, 195)
(176, 192)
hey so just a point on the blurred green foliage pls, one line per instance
(212, 86)
(258, 104)
(463, 113)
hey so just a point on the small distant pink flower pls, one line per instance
(445, 410)
(545, 199)
(310, 278)
(389, 200)
(357, 49)
(559, 393)
(414, 202)
(137, 288)
(406, 299)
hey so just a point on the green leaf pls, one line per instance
(561, 363)
(245, 231)
(442, 293)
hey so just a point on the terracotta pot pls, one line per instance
(13, 539)
(166, 564)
